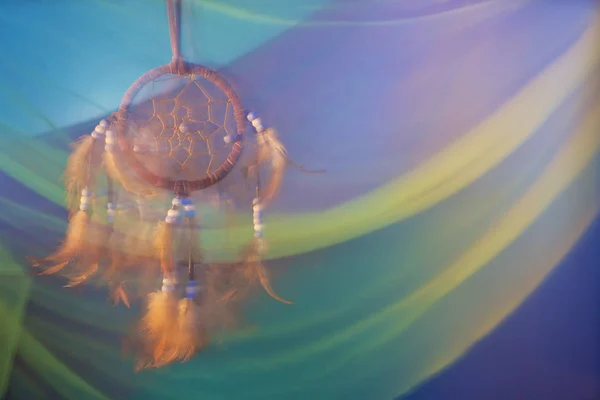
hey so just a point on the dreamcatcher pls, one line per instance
(180, 128)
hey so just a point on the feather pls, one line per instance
(89, 260)
(273, 153)
(189, 335)
(119, 295)
(159, 326)
(74, 240)
(251, 272)
(82, 251)
(77, 174)
(163, 247)
(116, 171)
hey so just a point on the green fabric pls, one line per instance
(14, 295)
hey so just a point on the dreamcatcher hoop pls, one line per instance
(184, 69)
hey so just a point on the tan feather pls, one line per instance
(54, 269)
(273, 153)
(163, 247)
(82, 251)
(160, 320)
(75, 176)
(115, 169)
(159, 325)
(82, 276)
(74, 241)
(119, 295)
(189, 335)
(249, 273)
(90, 258)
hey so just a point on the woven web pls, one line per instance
(177, 125)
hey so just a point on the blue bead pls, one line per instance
(186, 201)
(190, 290)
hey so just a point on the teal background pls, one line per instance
(463, 280)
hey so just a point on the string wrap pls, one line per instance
(174, 16)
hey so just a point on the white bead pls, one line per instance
(171, 220)
(85, 200)
(110, 134)
(255, 201)
(176, 201)
(86, 192)
(189, 207)
(257, 208)
(100, 129)
(172, 213)
(167, 288)
(227, 139)
(104, 123)
(251, 116)
(109, 140)
(95, 135)
(258, 227)
(84, 206)
(256, 122)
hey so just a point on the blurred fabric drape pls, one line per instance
(460, 140)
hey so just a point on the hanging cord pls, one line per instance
(192, 239)
(191, 48)
(189, 212)
(174, 16)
